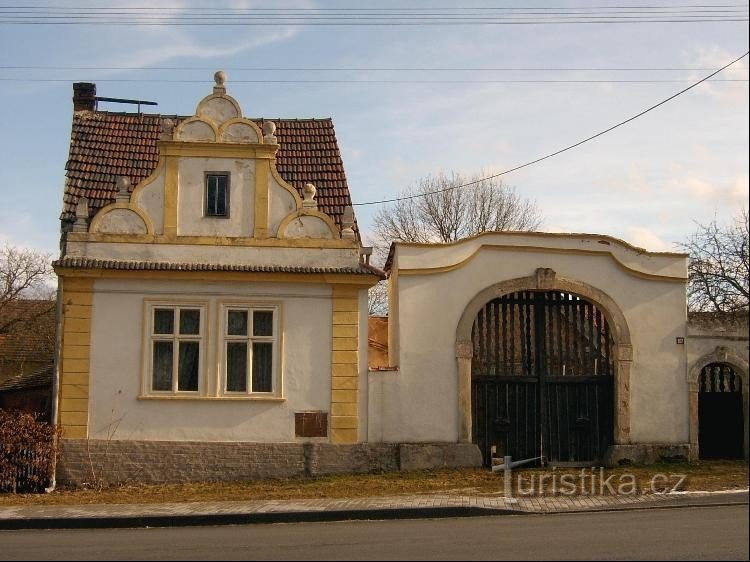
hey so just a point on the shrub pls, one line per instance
(27, 452)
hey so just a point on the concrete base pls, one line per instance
(646, 453)
(94, 463)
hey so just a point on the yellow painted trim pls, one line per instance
(344, 436)
(215, 398)
(286, 221)
(181, 127)
(171, 180)
(210, 240)
(196, 149)
(260, 225)
(226, 124)
(74, 432)
(73, 396)
(540, 249)
(99, 216)
(345, 364)
(319, 278)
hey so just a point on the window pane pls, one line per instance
(187, 368)
(190, 321)
(217, 193)
(237, 323)
(262, 367)
(236, 367)
(163, 321)
(162, 365)
(263, 323)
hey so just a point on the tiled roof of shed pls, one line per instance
(106, 145)
(23, 381)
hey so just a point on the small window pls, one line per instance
(250, 343)
(176, 339)
(217, 194)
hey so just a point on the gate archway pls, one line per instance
(720, 427)
(541, 378)
(584, 433)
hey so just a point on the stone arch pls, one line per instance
(725, 356)
(546, 279)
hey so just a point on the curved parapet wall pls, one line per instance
(415, 258)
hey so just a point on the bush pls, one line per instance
(27, 452)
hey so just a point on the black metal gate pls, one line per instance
(720, 419)
(542, 378)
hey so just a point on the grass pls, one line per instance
(704, 476)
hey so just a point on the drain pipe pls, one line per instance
(56, 380)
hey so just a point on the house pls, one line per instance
(27, 344)
(214, 292)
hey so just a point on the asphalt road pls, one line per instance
(709, 533)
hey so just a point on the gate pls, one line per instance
(542, 378)
(720, 419)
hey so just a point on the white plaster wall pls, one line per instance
(191, 197)
(216, 254)
(218, 109)
(116, 364)
(420, 403)
(151, 200)
(196, 131)
(240, 132)
(122, 221)
(308, 227)
(280, 202)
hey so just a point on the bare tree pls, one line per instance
(435, 209)
(718, 267)
(24, 275)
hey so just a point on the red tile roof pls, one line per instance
(106, 145)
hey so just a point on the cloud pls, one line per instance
(647, 239)
(715, 57)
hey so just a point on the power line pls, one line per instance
(569, 147)
(363, 69)
(366, 81)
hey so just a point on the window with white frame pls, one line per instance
(250, 349)
(176, 343)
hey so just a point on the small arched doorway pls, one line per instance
(542, 378)
(720, 417)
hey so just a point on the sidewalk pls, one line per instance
(279, 511)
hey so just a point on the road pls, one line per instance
(718, 533)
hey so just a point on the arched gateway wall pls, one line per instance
(436, 288)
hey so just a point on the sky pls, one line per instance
(648, 182)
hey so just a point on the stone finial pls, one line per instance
(347, 223)
(269, 132)
(220, 77)
(545, 278)
(309, 192)
(167, 129)
(123, 189)
(82, 215)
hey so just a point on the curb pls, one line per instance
(322, 516)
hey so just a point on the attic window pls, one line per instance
(217, 194)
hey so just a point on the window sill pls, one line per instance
(215, 398)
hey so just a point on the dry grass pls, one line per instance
(709, 476)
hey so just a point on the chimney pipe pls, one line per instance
(84, 96)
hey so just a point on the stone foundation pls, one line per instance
(618, 455)
(85, 463)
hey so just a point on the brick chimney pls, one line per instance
(84, 96)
